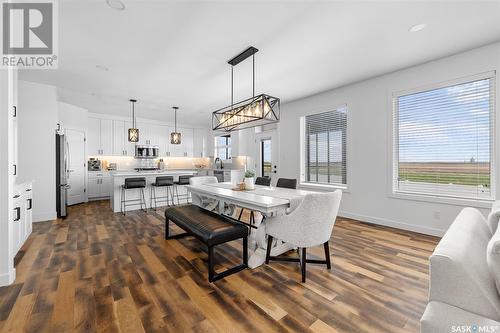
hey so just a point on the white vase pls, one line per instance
(249, 184)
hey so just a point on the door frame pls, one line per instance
(274, 137)
(85, 171)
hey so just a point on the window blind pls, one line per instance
(443, 140)
(325, 147)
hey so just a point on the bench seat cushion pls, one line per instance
(209, 227)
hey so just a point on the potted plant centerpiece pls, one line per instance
(249, 181)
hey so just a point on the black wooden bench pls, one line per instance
(210, 228)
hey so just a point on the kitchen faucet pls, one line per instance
(218, 159)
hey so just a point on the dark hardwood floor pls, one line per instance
(102, 272)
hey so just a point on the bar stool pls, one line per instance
(133, 183)
(163, 181)
(183, 180)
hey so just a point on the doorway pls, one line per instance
(76, 166)
(267, 155)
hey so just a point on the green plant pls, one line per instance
(249, 174)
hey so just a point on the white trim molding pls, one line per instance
(393, 224)
(8, 278)
(44, 216)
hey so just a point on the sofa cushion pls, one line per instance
(458, 269)
(494, 216)
(493, 258)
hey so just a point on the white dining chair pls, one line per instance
(202, 201)
(310, 224)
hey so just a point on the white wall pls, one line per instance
(369, 134)
(72, 117)
(38, 116)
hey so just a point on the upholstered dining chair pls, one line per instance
(310, 224)
(287, 183)
(202, 201)
(263, 181)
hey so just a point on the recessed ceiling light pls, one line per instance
(116, 4)
(101, 67)
(418, 27)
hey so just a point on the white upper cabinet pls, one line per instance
(120, 138)
(106, 137)
(94, 137)
(129, 146)
(144, 133)
(100, 137)
(185, 149)
(188, 143)
(121, 145)
(202, 143)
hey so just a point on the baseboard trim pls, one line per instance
(8, 278)
(393, 224)
(46, 216)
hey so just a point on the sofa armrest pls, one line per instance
(443, 318)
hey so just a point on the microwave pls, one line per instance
(147, 151)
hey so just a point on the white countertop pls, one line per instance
(152, 173)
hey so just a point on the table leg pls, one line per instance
(258, 257)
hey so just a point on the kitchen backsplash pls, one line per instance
(129, 163)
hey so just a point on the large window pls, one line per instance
(223, 147)
(325, 147)
(443, 140)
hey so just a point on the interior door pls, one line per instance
(76, 166)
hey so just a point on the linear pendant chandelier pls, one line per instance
(252, 112)
(133, 133)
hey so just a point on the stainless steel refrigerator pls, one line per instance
(62, 175)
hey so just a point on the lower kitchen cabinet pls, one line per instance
(99, 185)
(22, 219)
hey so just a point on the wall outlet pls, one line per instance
(437, 215)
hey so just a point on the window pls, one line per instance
(443, 140)
(223, 147)
(325, 147)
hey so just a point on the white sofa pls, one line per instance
(463, 296)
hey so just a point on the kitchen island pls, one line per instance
(118, 179)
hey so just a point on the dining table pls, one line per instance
(267, 200)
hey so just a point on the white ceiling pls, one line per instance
(168, 53)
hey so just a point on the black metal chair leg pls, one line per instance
(268, 250)
(151, 196)
(303, 264)
(327, 255)
(167, 225)
(210, 263)
(241, 213)
(124, 200)
(177, 194)
(143, 200)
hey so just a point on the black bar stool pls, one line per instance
(133, 183)
(183, 180)
(163, 181)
